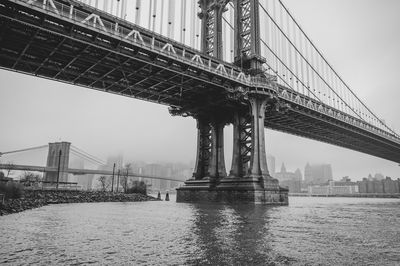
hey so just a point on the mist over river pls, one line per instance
(310, 231)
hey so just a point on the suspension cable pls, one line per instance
(22, 150)
(87, 154)
(344, 83)
(86, 157)
(265, 11)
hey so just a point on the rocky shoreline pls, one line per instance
(36, 199)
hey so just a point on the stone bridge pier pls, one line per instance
(248, 179)
(58, 156)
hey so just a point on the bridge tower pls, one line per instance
(58, 156)
(248, 179)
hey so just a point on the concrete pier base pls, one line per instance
(232, 191)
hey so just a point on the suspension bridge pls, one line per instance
(58, 160)
(241, 62)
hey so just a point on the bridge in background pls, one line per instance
(57, 166)
(241, 62)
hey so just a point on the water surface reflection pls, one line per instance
(311, 231)
(232, 235)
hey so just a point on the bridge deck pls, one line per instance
(80, 171)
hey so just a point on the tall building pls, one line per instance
(85, 182)
(317, 174)
(291, 180)
(271, 164)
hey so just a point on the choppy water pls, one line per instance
(325, 231)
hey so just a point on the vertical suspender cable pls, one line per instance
(307, 68)
(112, 7)
(295, 58)
(344, 97)
(302, 63)
(138, 10)
(124, 3)
(283, 44)
(193, 17)
(197, 33)
(154, 15)
(183, 21)
(224, 24)
(267, 33)
(162, 18)
(324, 87)
(117, 11)
(268, 27)
(290, 50)
(276, 40)
(171, 15)
(329, 80)
(105, 5)
(232, 35)
(150, 15)
(314, 77)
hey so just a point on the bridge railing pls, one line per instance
(128, 32)
(310, 103)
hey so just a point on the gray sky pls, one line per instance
(360, 38)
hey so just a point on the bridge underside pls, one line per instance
(35, 43)
(42, 45)
(312, 125)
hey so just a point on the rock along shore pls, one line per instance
(39, 198)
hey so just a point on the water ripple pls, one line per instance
(311, 231)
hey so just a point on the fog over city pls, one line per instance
(359, 41)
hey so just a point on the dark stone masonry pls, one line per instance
(36, 199)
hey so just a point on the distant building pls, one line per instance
(387, 186)
(177, 171)
(85, 182)
(271, 164)
(289, 179)
(118, 160)
(342, 187)
(317, 174)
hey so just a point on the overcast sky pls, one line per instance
(360, 38)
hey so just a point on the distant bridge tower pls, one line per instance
(249, 179)
(54, 160)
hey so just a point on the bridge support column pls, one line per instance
(249, 179)
(210, 163)
(203, 149)
(217, 162)
(54, 160)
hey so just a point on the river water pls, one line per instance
(310, 231)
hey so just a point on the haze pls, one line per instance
(360, 38)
